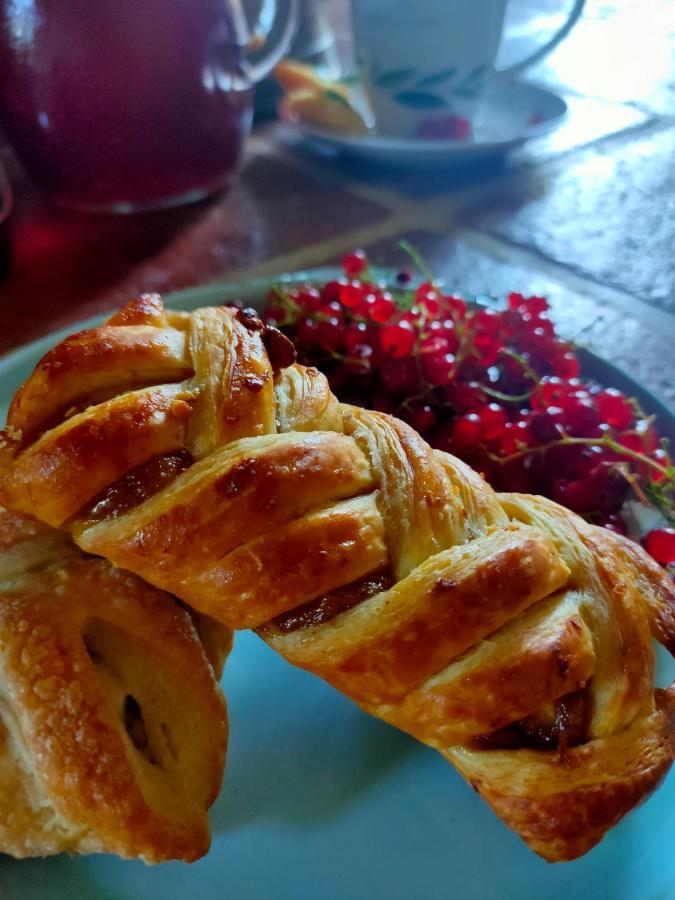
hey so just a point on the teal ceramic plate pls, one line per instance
(321, 801)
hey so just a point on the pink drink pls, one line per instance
(121, 104)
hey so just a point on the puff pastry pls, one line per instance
(501, 630)
(113, 730)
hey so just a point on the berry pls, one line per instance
(330, 333)
(382, 309)
(615, 523)
(355, 333)
(465, 396)
(422, 418)
(614, 408)
(427, 297)
(660, 543)
(354, 264)
(309, 299)
(456, 306)
(579, 495)
(581, 417)
(566, 365)
(403, 277)
(466, 431)
(487, 322)
(331, 290)
(515, 436)
(493, 421)
(307, 331)
(398, 340)
(547, 424)
(351, 294)
(360, 359)
(438, 368)
(400, 376)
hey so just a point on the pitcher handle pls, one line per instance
(254, 38)
(571, 21)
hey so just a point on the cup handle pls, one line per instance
(518, 67)
(263, 57)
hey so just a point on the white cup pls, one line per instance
(428, 63)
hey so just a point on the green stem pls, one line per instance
(416, 257)
(588, 442)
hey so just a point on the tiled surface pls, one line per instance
(621, 51)
(607, 212)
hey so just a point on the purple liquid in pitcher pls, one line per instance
(114, 102)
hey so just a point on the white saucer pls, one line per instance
(510, 115)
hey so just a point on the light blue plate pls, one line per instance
(320, 801)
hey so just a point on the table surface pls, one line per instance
(585, 215)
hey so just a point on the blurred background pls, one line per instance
(584, 213)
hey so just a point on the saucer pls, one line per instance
(510, 115)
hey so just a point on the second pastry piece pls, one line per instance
(507, 634)
(113, 730)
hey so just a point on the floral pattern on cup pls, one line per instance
(410, 90)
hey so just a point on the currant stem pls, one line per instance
(588, 442)
(416, 257)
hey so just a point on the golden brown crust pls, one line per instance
(113, 728)
(473, 616)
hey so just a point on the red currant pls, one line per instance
(360, 359)
(581, 417)
(331, 290)
(438, 368)
(382, 309)
(493, 420)
(456, 306)
(354, 264)
(614, 408)
(307, 331)
(330, 333)
(398, 340)
(309, 299)
(400, 375)
(579, 495)
(547, 424)
(615, 523)
(515, 436)
(422, 418)
(355, 333)
(660, 543)
(466, 395)
(351, 294)
(466, 431)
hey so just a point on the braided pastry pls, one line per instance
(503, 631)
(112, 728)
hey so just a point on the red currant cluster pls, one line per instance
(497, 388)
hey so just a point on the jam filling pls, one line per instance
(135, 486)
(565, 728)
(329, 605)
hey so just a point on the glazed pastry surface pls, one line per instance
(113, 730)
